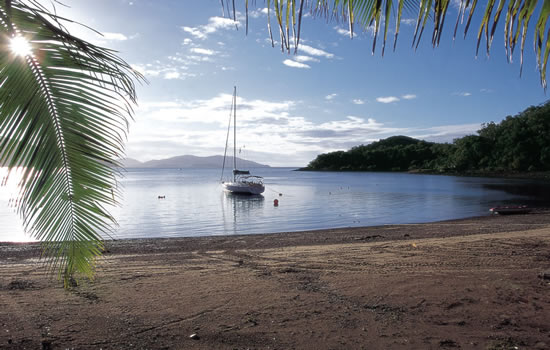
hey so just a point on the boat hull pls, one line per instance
(510, 210)
(245, 188)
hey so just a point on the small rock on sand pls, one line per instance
(194, 336)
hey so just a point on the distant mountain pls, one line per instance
(131, 163)
(189, 161)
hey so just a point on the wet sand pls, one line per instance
(479, 283)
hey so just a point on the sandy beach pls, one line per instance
(479, 283)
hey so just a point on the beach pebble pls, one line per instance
(194, 336)
(545, 275)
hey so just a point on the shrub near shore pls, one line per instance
(518, 145)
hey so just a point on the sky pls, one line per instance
(332, 95)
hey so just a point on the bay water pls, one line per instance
(195, 205)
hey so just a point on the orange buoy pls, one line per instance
(276, 202)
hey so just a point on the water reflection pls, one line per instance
(237, 210)
(536, 194)
(11, 224)
(195, 205)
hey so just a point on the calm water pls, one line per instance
(196, 206)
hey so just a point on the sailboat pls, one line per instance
(243, 182)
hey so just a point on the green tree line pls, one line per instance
(519, 143)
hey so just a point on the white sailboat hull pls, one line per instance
(242, 182)
(242, 187)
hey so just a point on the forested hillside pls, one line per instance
(519, 143)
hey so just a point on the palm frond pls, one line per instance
(377, 13)
(64, 111)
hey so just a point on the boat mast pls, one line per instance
(234, 132)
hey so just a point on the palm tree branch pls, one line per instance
(64, 118)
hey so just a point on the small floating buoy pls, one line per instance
(275, 202)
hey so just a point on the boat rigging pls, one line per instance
(243, 182)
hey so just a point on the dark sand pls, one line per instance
(480, 283)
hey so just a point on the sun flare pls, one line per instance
(20, 46)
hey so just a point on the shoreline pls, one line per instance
(477, 283)
(379, 233)
(536, 175)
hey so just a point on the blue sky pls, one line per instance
(331, 96)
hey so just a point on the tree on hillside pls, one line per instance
(471, 152)
(65, 103)
(518, 143)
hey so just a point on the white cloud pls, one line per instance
(115, 36)
(408, 21)
(147, 69)
(171, 75)
(342, 31)
(457, 3)
(330, 96)
(302, 58)
(314, 52)
(198, 58)
(214, 24)
(178, 65)
(159, 104)
(194, 32)
(274, 132)
(257, 13)
(202, 51)
(187, 41)
(165, 71)
(295, 64)
(184, 61)
(408, 97)
(463, 94)
(172, 128)
(213, 110)
(177, 58)
(387, 99)
(358, 101)
(446, 133)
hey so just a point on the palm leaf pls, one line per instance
(64, 111)
(367, 13)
